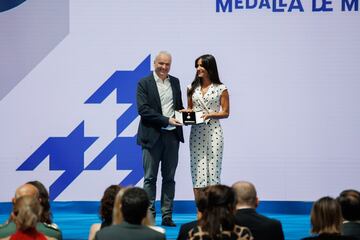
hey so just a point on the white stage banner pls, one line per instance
(69, 70)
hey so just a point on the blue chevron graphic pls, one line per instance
(125, 148)
(125, 83)
(128, 157)
(67, 153)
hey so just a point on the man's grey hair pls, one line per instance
(163, 53)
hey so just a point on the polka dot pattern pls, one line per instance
(206, 140)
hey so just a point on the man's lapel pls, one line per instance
(174, 91)
(153, 90)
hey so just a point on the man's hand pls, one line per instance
(174, 122)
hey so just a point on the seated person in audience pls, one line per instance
(134, 210)
(51, 228)
(46, 216)
(217, 219)
(350, 205)
(261, 227)
(10, 227)
(326, 220)
(200, 205)
(117, 215)
(26, 215)
(106, 210)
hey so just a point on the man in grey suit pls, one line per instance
(159, 133)
(134, 207)
(262, 227)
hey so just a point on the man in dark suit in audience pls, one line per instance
(262, 227)
(350, 206)
(134, 207)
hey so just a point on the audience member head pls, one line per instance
(107, 203)
(117, 214)
(246, 196)
(350, 204)
(44, 199)
(134, 205)
(219, 210)
(26, 213)
(326, 216)
(25, 190)
(201, 201)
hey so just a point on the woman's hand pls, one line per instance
(206, 116)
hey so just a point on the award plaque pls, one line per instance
(189, 118)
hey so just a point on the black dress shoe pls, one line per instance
(168, 222)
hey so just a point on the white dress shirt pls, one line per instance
(166, 98)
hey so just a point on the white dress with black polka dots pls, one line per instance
(206, 140)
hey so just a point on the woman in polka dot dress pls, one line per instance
(209, 95)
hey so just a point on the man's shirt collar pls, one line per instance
(157, 79)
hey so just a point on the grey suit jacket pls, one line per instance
(149, 109)
(127, 231)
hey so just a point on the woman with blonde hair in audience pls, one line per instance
(26, 214)
(326, 219)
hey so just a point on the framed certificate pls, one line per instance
(189, 118)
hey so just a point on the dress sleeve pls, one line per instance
(222, 87)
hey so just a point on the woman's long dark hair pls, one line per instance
(209, 63)
(46, 216)
(219, 212)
